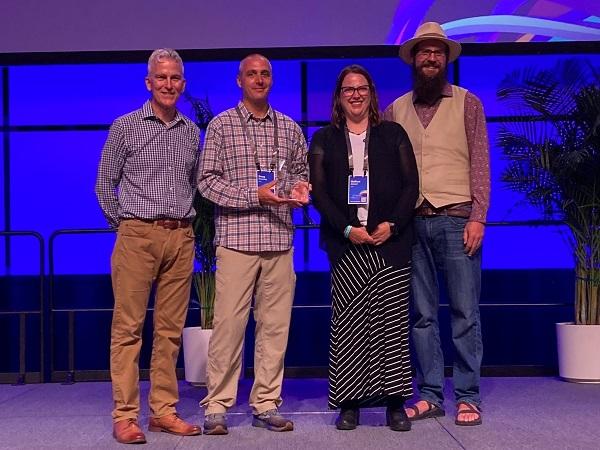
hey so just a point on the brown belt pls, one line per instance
(169, 224)
(427, 211)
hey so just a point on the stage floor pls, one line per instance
(518, 413)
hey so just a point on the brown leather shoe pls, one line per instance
(173, 424)
(128, 432)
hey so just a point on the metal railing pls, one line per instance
(70, 376)
(21, 377)
(71, 312)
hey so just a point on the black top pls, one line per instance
(393, 189)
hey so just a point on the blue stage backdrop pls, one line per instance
(56, 136)
(55, 120)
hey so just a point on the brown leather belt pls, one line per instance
(427, 211)
(169, 224)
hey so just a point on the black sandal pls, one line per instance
(431, 411)
(470, 409)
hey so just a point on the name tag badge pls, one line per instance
(358, 190)
(264, 177)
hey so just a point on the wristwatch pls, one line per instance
(392, 227)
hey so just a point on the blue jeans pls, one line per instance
(440, 250)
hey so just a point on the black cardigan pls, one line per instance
(393, 189)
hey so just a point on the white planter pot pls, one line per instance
(578, 352)
(195, 354)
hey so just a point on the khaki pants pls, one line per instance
(146, 254)
(270, 277)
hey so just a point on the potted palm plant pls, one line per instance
(196, 339)
(554, 161)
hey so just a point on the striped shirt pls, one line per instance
(227, 177)
(148, 168)
(477, 141)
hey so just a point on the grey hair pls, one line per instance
(253, 55)
(164, 53)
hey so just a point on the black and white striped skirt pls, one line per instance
(369, 351)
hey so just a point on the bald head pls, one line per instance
(251, 58)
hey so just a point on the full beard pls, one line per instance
(428, 89)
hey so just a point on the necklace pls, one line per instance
(356, 132)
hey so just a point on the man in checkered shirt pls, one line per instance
(145, 186)
(253, 167)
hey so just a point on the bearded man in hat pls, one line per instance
(446, 126)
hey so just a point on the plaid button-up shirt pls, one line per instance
(148, 168)
(227, 176)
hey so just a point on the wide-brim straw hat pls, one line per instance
(426, 31)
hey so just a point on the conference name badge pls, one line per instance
(358, 190)
(264, 177)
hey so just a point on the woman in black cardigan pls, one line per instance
(368, 239)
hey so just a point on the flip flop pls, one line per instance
(470, 409)
(431, 411)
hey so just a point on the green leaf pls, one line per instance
(552, 145)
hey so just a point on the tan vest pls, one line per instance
(441, 150)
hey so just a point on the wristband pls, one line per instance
(347, 231)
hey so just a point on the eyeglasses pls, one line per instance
(426, 53)
(348, 91)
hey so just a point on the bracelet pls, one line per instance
(347, 231)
